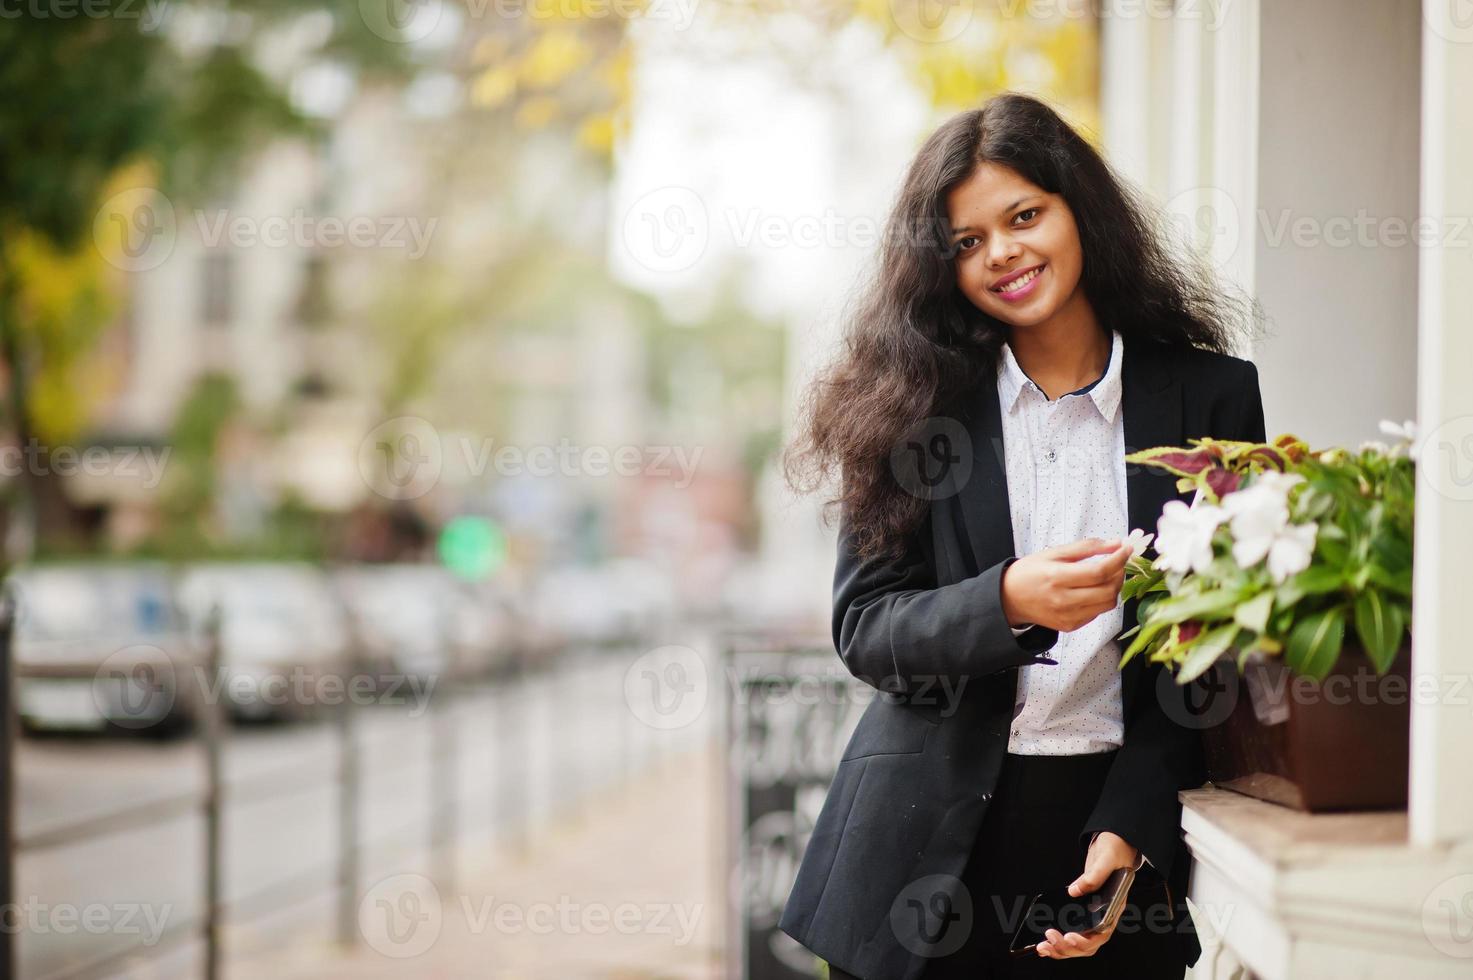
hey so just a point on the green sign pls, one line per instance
(472, 547)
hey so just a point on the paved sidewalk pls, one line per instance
(628, 889)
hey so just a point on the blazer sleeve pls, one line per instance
(1160, 756)
(898, 631)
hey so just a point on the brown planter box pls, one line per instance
(1315, 745)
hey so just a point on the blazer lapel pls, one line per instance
(983, 494)
(1152, 401)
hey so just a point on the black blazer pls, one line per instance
(928, 631)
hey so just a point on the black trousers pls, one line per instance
(1029, 841)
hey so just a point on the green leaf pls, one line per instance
(1148, 631)
(1318, 579)
(1204, 652)
(1314, 643)
(1401, 583)
(1137, 585)
(1314, 580)
(1218, 602)
(1331, 546)
(1379, 625)
(1253, 614)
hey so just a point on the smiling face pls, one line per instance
(1018, 257)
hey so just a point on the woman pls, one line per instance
(1028, 327)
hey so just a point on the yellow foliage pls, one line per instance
(494, 87)
(597, 133)
(554, 56)
(575, 10)
(991, 53)
(62, 303)
(490, 47)
(615, 74)
(537, 112)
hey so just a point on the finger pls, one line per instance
(1095, 571)
(1093, 598)
(1075, 943)
(1083, 548)
(1109, 564)
(1094, 876)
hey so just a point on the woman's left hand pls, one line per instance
(1107, 852)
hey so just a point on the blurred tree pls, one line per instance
(573, 62)
(189, 487)
(109, 100)
(106, 99)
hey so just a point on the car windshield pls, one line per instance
(66, 605)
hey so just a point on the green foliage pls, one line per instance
(1356, 590)
(190, 485)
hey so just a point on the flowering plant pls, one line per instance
(1280, 550)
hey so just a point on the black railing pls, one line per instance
(346, 874)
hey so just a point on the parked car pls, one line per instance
(422, 621)
(622, 601)
(101, 646)
(282, 633)
(484, 629)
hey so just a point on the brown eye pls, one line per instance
(1028, 211)
(963, 241)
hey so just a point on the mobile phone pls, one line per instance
(1057, 909)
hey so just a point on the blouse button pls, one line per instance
(1049, 455)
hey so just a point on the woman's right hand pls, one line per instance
(1065, 587)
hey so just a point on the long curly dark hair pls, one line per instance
(914, 346)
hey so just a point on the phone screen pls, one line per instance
(1057, 909)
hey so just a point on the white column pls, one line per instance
(1188, 51)
(1125, 90)
(1441, 806)
(1236, 69)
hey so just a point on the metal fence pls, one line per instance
(790, 708)
(569, 673)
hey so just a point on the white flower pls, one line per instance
(1184, 536)
(1278, 482)
(1139, 541)
(1260, 526)
(1375, 444)
(1407, 430)
(1291, 550)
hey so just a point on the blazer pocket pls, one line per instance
(888, 727)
